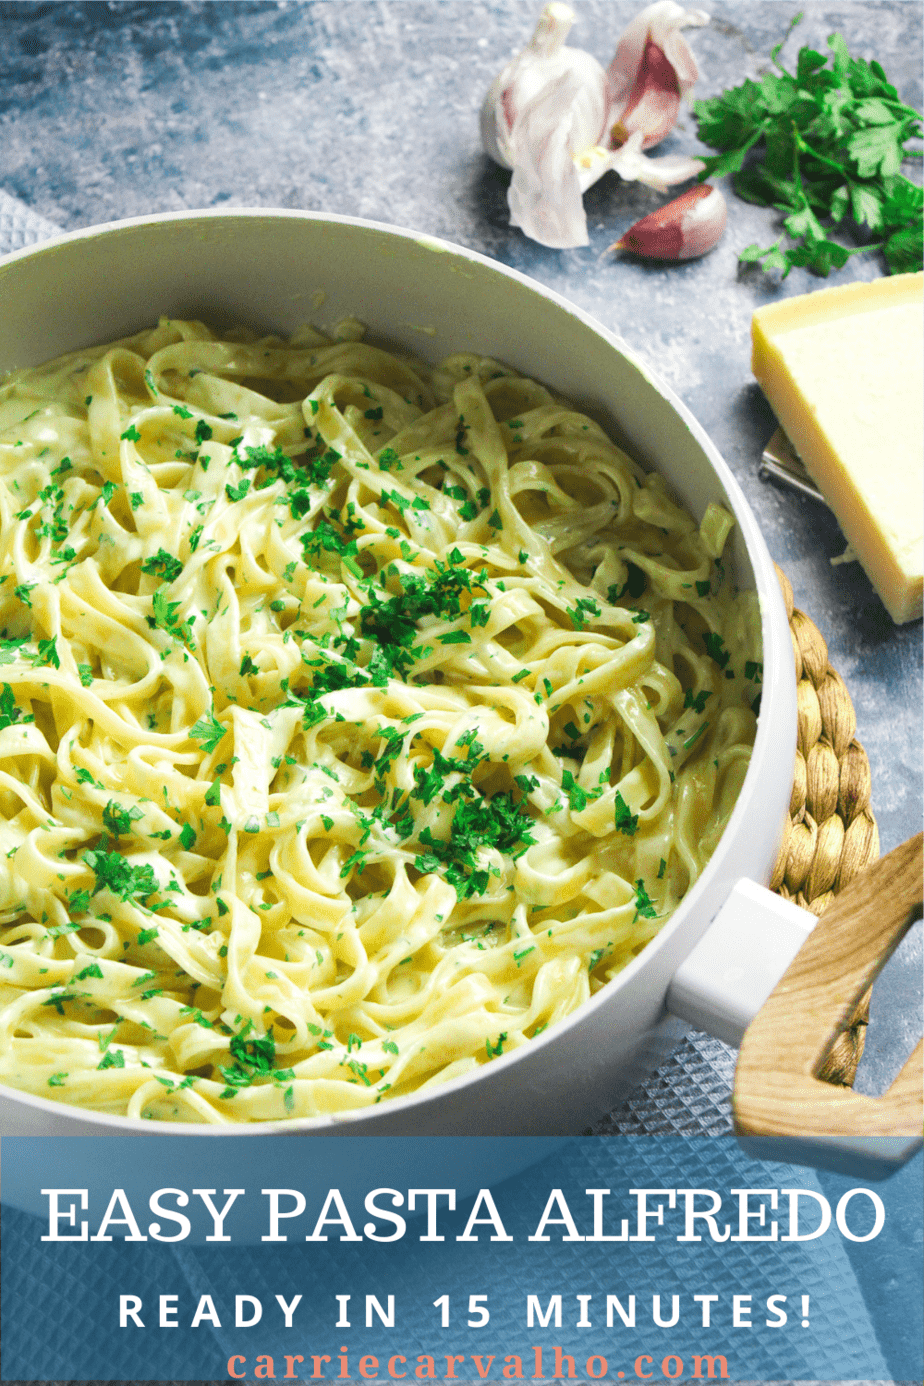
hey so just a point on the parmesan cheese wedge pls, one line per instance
(843, 369)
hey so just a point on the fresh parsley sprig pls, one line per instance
(825, 145)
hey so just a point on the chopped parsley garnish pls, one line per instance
(644, 909)
(392, 623)
(696, 701)
(578, 798)
(690, 741)
(208, 730)
(118, 820)
(116, 873)
(165, 617)
(10, 649)
(388, 459)
(253, 1057)
(10, 711)
(237, 493)
(715, 648)
(326, 539)
(164, 565)
(47, 653)
(583, 607)
(625, 821)
(497, 822)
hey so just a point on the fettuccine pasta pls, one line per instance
(359, 719)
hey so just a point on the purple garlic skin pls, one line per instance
(682, 230)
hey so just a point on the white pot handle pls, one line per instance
(722, 984)
(770, 978)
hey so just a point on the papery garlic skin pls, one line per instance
(652, 71)
(659, 173)
(682, 230)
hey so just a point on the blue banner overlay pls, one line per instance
(361, 1259)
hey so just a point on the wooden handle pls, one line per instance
(777, 1088)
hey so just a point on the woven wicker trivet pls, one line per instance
(832, 833)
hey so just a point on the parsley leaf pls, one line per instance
(165, 617)
(625, 820)
(116, 873)
(237, 493)
(47, 653)
(644, 908)
(118, 820)
(253, 1057)
(208, 730)
(10, 712)
(164, 565)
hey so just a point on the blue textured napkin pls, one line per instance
(20, 226)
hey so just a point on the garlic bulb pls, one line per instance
(685, 228)
(559, 121)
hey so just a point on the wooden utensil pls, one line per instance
(777, 1088)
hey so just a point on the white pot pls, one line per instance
(275, 270)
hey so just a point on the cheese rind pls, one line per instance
(843, 369)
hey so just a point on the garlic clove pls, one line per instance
(652, 70)
(685, 228)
